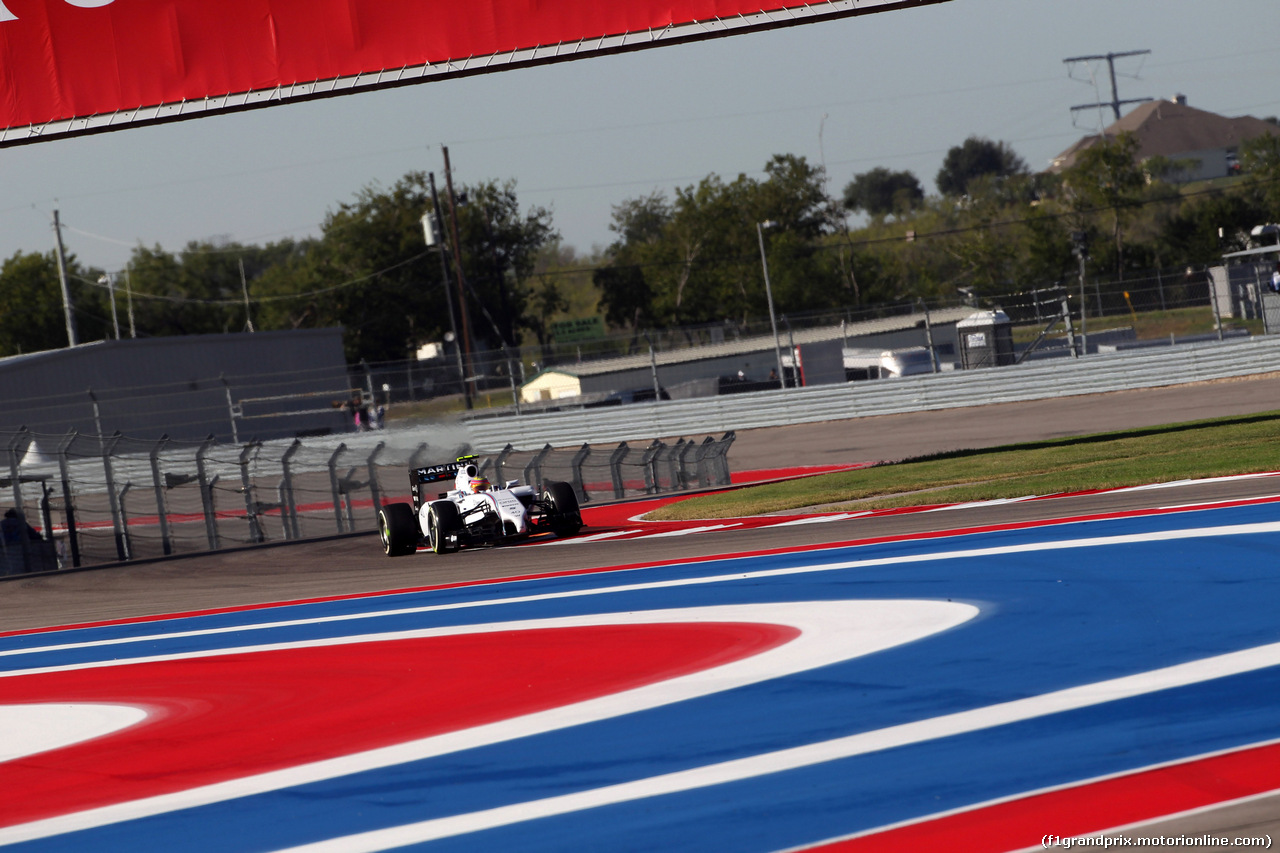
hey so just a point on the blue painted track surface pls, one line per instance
(1057, 607)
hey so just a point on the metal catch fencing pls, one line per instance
(79, 500)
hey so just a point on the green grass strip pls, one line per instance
(1198, 449)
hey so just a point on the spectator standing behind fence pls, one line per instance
(13, 527)
(353, 410)
(362, 416)
(1275, 279)
(12, 556)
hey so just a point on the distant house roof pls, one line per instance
(1172, 129)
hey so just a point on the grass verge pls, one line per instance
(1194, 450)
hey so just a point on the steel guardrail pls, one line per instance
(1124, 370)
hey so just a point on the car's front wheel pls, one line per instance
(563, 513)
(398, 529)
(442, 521)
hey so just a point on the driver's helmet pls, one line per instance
(470, 481)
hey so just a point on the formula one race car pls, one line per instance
(472, 512)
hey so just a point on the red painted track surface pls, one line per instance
(252, 711)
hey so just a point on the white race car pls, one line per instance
(473, 512)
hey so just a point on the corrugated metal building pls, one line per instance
(820, 354)
(263, 385)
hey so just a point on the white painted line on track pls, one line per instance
(948, 725)
(819, 519)
(973, 504)
(591, 537)
(1224, 501)
(685, 531)
(1173, 484)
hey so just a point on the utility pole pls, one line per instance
(1080, 248)
(128, 298)
(768, 292)
(457, 269)
(62, 278)
(448, 296)
(1115, 103)
(244, 289)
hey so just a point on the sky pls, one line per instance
(891, 89)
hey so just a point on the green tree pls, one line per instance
(371, 271)
(975, 158)
(1260, 161)
(197, 291)
(881, 192)
(697, 259)
(501, 246)
(1106, 179)
(625, 293)
(1191, 235)
(33, 319)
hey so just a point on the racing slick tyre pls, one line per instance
(398, 529)
(565, 518)
(442, 519)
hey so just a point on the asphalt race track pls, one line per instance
(976, 678)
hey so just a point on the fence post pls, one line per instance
(46, 520)
(347, 486)
(73, 541)
(246, 486)
(615, 470)
(700, 461)
(206, 495)
(651, 484)
(161, 508)
(231, 409)
(97, 412)
(17, 447)
(499, 477)
(374, 491)
(333, 485)
(415, 460)
(533, 471)
(723, 477)
(124, 523)
(579, 459)
(108, 447)
(284, 510)
(676, 465)
(288, 507)
(368, 382)
(511, 376)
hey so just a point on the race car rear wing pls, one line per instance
(420, 478)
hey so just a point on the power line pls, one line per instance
(183, 300)
(1115, 103)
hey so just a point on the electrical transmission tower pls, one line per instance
(1115, 103)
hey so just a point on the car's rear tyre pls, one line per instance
(398, 529)
(442, 520)
(562, 503)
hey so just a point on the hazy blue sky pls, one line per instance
(893, 89)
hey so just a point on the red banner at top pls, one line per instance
(75, 66)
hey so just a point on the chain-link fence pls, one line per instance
(80, 500)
